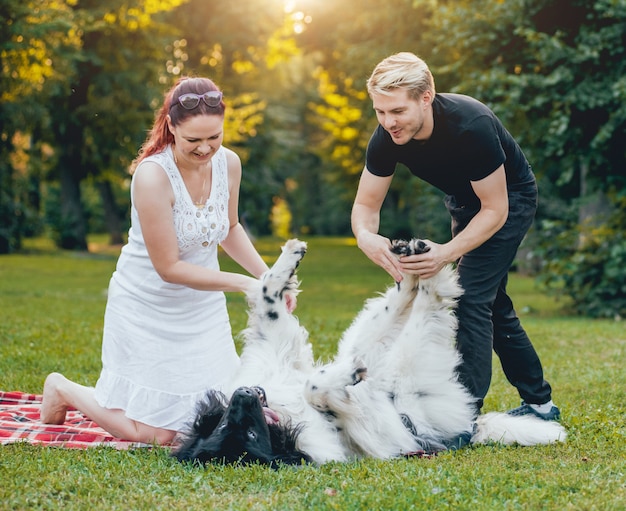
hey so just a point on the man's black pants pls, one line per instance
(487, 319)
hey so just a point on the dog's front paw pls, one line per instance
(412, 247)
(295, 247)
(281, 278)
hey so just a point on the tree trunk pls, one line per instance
(8, 231)
(73, 228)
(111, 217)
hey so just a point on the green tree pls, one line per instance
(100, 118)
(555, 71)
(38, 44)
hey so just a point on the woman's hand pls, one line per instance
(291, 300)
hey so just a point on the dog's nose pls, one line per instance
(244, 391)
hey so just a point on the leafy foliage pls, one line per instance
(586, 262)
(81, 80)
(554, 71)
(38, 44)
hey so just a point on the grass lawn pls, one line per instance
(51, 308)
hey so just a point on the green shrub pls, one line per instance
(587, 263)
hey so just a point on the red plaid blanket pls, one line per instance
(19, 422)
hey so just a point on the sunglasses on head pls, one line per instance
(190, 100)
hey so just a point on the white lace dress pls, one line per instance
(164, 344)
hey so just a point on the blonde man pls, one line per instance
(458, 145)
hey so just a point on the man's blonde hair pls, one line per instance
(401, 71)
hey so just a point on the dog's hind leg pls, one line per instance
(378, 323)
(364, 416)
(443, 288)
(421, 370)
(382, 318)
(364, 413)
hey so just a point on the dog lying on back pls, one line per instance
(278, 359)
(237, 432)
(391, 390)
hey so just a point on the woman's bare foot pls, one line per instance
(53, 407)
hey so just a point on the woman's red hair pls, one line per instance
(160, 135)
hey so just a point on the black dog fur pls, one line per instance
(237, 432)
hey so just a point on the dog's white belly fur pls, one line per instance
(403, 340)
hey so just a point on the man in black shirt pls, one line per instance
(458, 145)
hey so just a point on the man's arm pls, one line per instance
(366, 222)
(494, 211)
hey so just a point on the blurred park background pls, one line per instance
(81, 80)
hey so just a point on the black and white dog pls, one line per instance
(391, 390)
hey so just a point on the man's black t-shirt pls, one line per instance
(468, 143)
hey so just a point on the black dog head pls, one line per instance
(238, 433)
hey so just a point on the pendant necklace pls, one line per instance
(202, 202)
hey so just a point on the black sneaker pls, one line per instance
(461, 440)
(525, 409)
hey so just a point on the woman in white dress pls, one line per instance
(167, 336)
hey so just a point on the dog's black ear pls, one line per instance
(283, 438)
(209, 412)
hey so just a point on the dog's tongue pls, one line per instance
(271, 417)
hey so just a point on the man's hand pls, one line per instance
(377, 249)
(428, 264)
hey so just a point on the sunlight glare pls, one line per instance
(299, 18)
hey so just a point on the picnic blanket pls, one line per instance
(19, 422)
